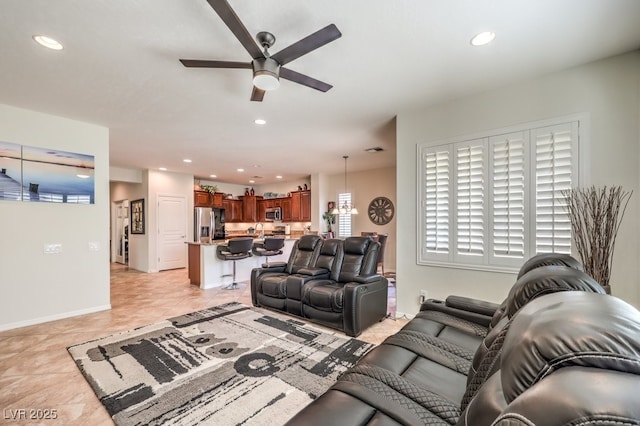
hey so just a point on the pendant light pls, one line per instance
(346, 208)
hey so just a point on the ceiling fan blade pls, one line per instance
(257, 94)
(305, 80)
(308, 44)
(197, 63)
(226, 13)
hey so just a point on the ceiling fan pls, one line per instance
(267, 68)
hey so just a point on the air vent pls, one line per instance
(374, 149)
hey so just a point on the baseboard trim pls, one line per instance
(403, 315)
(63, 315)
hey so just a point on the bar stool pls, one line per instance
(236, 249)
(270, 247)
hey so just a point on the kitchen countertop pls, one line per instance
(222, 242)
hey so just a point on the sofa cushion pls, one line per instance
(574, 329)
(324, 295)
(304, 253)
(274, 285)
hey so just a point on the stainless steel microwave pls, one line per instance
(273, 214)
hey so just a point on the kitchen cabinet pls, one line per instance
(216, 200)
(285, 205)
(301, 206)
(250, 209)
(305, 206)
(207, 199)
(201, 199)
(232, 210)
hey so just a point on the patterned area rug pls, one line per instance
(226, 365)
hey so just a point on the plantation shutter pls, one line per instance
(508, 197)
(491, 203)
(554, 163)
(436, 199)
(470, 195)
(344, 220)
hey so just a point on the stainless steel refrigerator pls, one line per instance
(208, 224)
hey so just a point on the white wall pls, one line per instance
(364, 187)
(166, 184)
(143, 250)
(35, 287)
(608, 90)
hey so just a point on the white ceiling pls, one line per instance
(120, 69)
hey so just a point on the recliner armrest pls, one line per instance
(441, 306)
(275, 266)
(365, 279)
(478, 306)
(313, 271)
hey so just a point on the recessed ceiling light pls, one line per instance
(252, 181)
(83, 176)
(260, 121)
(186, 160)
(278, 177)
(483, 38)
(162, 169)
(47, 42)
(240, 170)
(213, 176)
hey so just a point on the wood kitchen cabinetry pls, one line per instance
(285, 205)
(250, 209)
(216, 200)
(301, 206)
(232, 210)
(201, 199)
(207, 199)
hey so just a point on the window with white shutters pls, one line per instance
(344, 220)
(508, 205)
(470, 201)
(492, 202)
(554, 172)
(436, 191)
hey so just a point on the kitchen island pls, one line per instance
(206, 270)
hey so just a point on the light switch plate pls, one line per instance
(53, 248)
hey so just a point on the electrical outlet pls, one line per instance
(423, 296)
(94, 246)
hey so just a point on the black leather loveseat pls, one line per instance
(557, 351)
(331, 282)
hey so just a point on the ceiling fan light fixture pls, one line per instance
(265, 80)
(266, 74)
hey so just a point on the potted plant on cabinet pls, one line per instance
(595, 215)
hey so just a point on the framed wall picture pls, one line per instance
(137, 216)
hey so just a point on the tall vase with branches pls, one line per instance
(596, 215)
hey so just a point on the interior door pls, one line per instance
(172, 232)
(120, 232)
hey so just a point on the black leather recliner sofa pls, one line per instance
(466, 362)
(331, 282)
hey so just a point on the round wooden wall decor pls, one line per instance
(380, 210)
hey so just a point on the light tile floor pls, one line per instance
(37, 373)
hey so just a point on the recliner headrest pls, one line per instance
(330, 247)
(356, 245)
(548, 259)
(545, 280)
(308, 242)
(569, 329)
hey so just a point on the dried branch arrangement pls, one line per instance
(596, 214)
